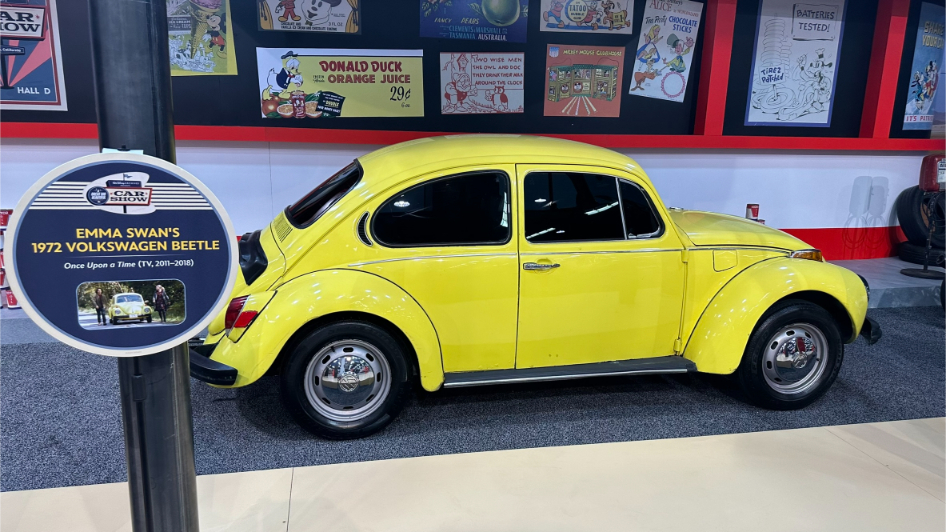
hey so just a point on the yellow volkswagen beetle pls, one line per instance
(476, 260)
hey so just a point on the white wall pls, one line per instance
(255, 180)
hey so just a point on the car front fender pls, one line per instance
(722, 332)
(319, 295)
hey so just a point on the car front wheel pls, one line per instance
(346, 380)
(792, 357)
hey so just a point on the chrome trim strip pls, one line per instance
(398, 259)
(563, 377)
(727, 248)
(600, 252)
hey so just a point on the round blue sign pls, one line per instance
(121, 254)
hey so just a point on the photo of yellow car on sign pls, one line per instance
(135, 303)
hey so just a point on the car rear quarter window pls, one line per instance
(569, 206)
(465, 209)
(313, 205)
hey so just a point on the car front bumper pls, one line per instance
(210, 371)
(871, 331)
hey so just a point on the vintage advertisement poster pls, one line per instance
(31, 72)
(200, 38)
(922, 95)
(331, 83)
(333, 16)
(583, 80)
(604, 16)
(794, 63)
(475, 20)
(665, 50)
(473, 82)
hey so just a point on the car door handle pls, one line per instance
(531, 266)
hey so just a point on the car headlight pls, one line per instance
(810, 254)
(147, 310)
(118, 311)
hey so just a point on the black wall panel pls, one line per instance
(850, 79)
(235, 100)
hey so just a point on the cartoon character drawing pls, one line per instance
(499, 99)
(288, 8)
(616, 19)
(289, 74)
(590, 16)
(555, 13)
(216, 29)
(814, 92)
(649, 50)
(456, 91)
(649, 73)
(681, 48)
(317, 12)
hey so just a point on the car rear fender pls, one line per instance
(722, 332)
(303, 300)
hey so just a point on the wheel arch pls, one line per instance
(722, 332)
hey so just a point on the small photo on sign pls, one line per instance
(474, 83)
(124, 304)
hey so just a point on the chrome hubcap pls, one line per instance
(794, 358)
(347, 380)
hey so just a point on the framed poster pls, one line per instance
(200, 38)
(332, 83)
(583, 81)
(475, 20)
(795, 62)
(605, 16)
(922, 97)
(663, 58)
(481, 83)
(31, 73)
(327, 16)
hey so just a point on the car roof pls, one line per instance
(433, 153)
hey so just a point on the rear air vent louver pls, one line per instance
(281, 227)
(363, 229)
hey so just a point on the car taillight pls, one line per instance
(245, 319)
(233, 311)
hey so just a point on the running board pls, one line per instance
(641, 366)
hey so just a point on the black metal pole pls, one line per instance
(132, 76)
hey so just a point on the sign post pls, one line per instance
(125, 254)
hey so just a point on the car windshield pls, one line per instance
(308, 209)
(129, 298)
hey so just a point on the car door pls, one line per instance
(601, 269)
(448, 240)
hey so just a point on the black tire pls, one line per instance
(916, 253)
(149, 319)
(313, 417)
(915, 210)
(114, 321)
(782, 316)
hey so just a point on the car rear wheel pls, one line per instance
(793, 356)
(346, 380)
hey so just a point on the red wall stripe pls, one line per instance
(886, 51)
(714, 70)
(33, 130)
(842, 243)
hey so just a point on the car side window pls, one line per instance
(640, 219)
(571, 206)
(466, 209)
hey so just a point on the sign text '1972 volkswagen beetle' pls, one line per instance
(474, 260)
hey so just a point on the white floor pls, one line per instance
(878, 476)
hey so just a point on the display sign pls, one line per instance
(606, 16)
(795, 62)
(327, 83)
(928, 57)
(583, 81)
(200, 38)
(121, 254)
(30, 67)
(475, 20)
(664, 53)
(481, 83)
(331, 16)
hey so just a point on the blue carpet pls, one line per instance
(60, 422)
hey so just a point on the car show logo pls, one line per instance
(126, 191)
(22, 22)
